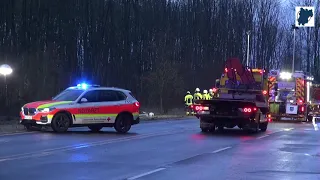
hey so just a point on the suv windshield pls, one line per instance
(68, 95)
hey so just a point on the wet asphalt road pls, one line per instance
(163, 150)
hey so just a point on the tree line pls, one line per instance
(159, 49)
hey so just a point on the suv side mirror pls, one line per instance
(83, 100)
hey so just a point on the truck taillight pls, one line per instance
(302, 108)
(201, 108)
(249, 109)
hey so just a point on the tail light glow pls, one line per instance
(249, 109)
(226, 70)
(264, 92)
(201, 108)
(269, 118)
(137, 104)
(302, 109)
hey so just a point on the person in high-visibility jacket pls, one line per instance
(205, 95)
(211, 93)
(197, 95)
(188, 100)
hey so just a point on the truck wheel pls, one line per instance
(60, 123)
(95, 128)
(204, 130)
(220, 128)
(212, 129)
(263, 126)
(123, 123)
(254, 128)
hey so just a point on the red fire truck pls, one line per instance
(289, 94)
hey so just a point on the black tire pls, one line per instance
(123, 123)
(254, 128)
(95, 128)
(220, 128)
(263, 126)
(60, 123)
(204, 130)
(213, 129)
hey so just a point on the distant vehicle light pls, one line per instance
(285, 75)
(226, 70)
(264, 92)
(214, 89)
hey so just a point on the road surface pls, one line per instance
(163, 150)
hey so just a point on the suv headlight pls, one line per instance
(46, 109)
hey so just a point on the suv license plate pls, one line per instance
(28, 117)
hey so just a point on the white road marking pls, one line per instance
(219, 150)
(51, 151)
(146, 173)
(4, 141)
(275, 132)
(315, 125)
(288, 129)
(262, 136)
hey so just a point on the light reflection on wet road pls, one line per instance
(164, 150)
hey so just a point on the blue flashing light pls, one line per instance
(83, 85)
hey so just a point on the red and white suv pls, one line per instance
(84, 105)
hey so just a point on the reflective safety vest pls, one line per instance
(188, 99)
(197, 96)
(206, 97)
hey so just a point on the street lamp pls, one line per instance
(248, 48)
(294, 45)
(5, 70)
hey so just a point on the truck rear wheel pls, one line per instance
(204, 130)
(220, 128)
(263, 126)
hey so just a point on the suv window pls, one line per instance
(108, 95)
(91, 96)
(132, 95)
(121, 96)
